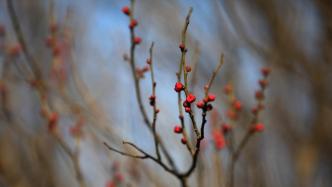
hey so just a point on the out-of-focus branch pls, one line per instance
(20, 37)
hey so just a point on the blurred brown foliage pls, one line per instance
(294, 38)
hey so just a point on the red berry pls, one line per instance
(137, 40)
(110, 184)
(178, 129)
(183, 140)
(254, 110)
(75, 131)
(53, 117)
(178, 87)
(260, 106)
(259, 127)
(187, 109)
(228, 89)
(200, 104)
(182, 47)
(158, 110)
(226, 128)
(52, 127)
(148, 61)
(185, 104)
(53, 27)
(266, 71)
(2, 31)
(209, 107)
(56, 51)
(263, 83)
(126, 10)
(133, 23)
(49, 41)
(15, 49)
(231, 114)
(219, 140)
(211, 97)
(119, 177)
(259, 95)
(237, 105)
(188, 69)
(191, 98)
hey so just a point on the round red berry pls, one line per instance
(188, 69)
(187, 109)
(259, 127)
(254, 110)
(183, 140)
(209, 107)
(265, 71)
(53, 27)
(259, 95)
(263, 83)
(237, 105)
(133, 23)
(178, 129)
(211, 97)
(182, 47)
(191, 98)
(178, 87)
(2, 31)
(137, 40)
(148, 61)
(56, 51)
(53, 117)
(15, 49)
(226, 128)
(200, 104)
(126, 10)
(231, 114)
(185, 104)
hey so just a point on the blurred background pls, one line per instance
(60, 102)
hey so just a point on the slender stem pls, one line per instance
(138, 89)
(155, 110)
(20, 37)
(182, 68)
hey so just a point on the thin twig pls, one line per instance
(123, 153)
(155, 110)
(20, 37)
(138, 89)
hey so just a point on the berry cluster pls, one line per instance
(235, 104)
(52, 42)
(51, 117)
(133, 23)
(117, 178)
(76, 129)
(205, 104)
(259, 95)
